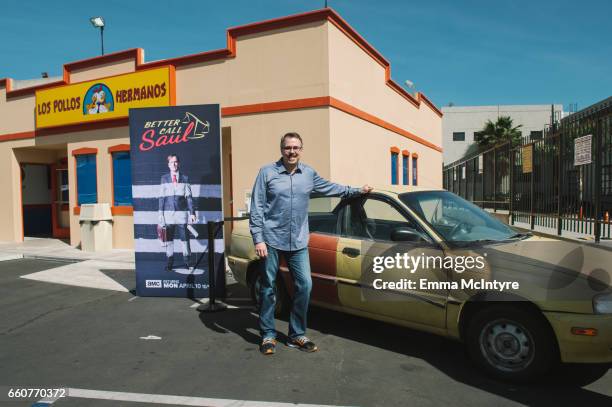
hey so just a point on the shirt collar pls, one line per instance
(280, 167)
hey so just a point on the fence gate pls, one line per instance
(559, 183)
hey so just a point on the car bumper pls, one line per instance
(580, 348)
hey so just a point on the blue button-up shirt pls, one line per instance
(279, 204)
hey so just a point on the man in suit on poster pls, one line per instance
(176, 210)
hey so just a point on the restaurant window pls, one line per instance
(87, 188)
(415, 166)
(122, 179)
(394, 163)
(405, 164)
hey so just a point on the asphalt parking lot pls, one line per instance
(110, 346)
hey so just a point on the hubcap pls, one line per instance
(507, 345)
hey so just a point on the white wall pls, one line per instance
(470, 119)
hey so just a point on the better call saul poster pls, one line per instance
(176, 190)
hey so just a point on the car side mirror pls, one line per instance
(404, 234)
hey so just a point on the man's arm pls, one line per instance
(258, 201)
(327, 188)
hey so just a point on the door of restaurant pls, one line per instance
(60, 214)
(36, 200)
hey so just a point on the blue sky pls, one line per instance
(469, 52)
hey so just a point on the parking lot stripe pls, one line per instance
(177, 400)
(197, 304)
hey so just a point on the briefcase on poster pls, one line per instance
(162, 234)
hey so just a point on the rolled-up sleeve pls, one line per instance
(323, 187)
(258, 201)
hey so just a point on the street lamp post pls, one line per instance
(98, 22)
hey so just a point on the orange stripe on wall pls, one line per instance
(275, 106)
(345, 107)
(17, 136)
(323, 101)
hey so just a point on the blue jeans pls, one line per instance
(299, 267)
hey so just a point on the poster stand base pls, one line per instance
(212, 307)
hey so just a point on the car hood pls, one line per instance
(550, 271)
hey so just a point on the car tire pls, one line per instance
(511, 342)
(282, 305)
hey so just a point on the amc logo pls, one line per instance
(153, 284)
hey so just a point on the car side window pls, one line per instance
(376, 219)
(322, 215)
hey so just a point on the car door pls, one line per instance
(366, 237)
(324, 223)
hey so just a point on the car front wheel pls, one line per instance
(511, 342)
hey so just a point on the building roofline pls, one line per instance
(137, 54)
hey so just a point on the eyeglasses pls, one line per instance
(292, 148)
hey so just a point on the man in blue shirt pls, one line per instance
(279, 226)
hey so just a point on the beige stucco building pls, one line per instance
(310, 73)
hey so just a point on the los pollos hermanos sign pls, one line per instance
(104, 99)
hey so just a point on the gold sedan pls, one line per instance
(432, 261)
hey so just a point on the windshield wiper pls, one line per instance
(467, 243)
(520, 236)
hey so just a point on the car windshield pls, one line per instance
(456, 219)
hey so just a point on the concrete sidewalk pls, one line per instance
(57, 249)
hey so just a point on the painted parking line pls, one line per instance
(177, 400)
(204, 302)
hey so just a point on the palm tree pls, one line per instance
(499, 132)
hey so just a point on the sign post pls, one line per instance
(213, 305)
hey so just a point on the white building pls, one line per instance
(461, 123)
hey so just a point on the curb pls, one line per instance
(10, 256)
(17, 256)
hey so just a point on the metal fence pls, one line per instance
(548, 190)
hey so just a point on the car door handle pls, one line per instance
(349, 251)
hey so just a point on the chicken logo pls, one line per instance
(98, 99)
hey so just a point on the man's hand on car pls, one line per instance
(261, 250)
(366, 189)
